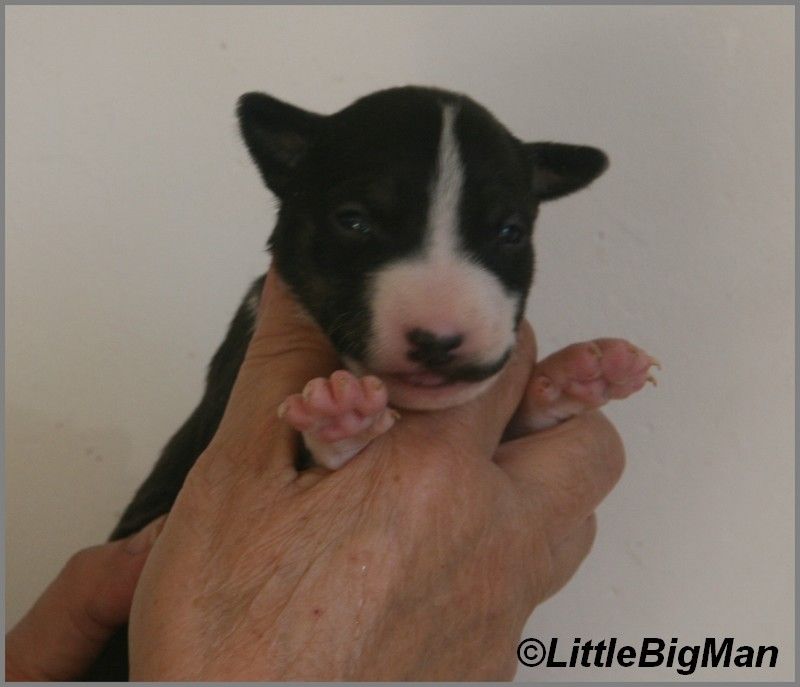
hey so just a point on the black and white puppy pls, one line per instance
(404, 230)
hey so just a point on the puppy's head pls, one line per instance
(405, 228)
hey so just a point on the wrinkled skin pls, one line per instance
(421, 559)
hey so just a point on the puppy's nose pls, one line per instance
(432, 349)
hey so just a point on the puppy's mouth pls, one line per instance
(427, 380)
(430, 389)
(435, 377)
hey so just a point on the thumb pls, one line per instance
(71, 621)
(287, 350)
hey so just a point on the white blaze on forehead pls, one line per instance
(440, 289)
(446, 191)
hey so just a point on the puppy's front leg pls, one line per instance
(581, 377)
(339, 416)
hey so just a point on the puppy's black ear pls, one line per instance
(277, 135)
(559, 168)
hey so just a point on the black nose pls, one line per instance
(430, 349)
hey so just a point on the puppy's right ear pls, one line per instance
(277, 135)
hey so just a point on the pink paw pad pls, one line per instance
(584, 376)
(339, 415)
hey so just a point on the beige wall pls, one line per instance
(135, 220)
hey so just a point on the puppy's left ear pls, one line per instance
(559, 168)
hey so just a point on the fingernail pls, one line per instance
(144, 538)
(374, 383)
(282, 408)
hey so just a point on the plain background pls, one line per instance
(135, 220)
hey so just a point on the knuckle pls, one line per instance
(588, 460)
(571, 491)
(610, 449)
(597, 453)
(202, 483)
(80, 565)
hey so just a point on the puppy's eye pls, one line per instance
(511, 234)
(353, 222)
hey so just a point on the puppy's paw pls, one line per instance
(339, 416)
(582, 377)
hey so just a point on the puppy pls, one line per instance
(404, 230)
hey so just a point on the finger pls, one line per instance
(570, 553)
(478, 425)
(565, 471)
(286, 351)
(70, 623)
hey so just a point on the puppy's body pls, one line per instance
(404, 229)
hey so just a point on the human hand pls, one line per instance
(71, 621)
(421, 559)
